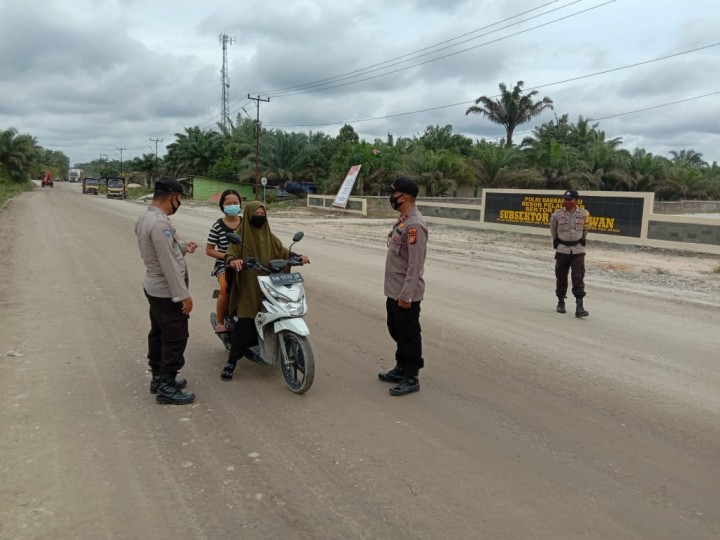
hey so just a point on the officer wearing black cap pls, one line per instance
(166, 288)
(568, 227)
(405, 287)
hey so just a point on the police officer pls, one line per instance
(404, 287)
(568, 227)
(166, 288)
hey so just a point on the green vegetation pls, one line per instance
(559, 154)
(8, 189)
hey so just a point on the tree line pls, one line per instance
(559, 154)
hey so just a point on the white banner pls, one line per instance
(341, 199)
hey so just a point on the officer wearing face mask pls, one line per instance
(568, 228)
(245, 296)
(405, 287)
(166, 288)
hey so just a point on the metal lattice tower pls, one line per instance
(225, 106)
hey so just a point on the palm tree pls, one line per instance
(19, 155)
(193, 152)
(283, 154)
(688, 158)
(512, 109)
(490, 160)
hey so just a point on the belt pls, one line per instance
(569, 242)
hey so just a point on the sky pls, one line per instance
(90, 77)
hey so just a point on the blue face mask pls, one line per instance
(232, 210)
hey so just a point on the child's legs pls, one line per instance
(222, 299)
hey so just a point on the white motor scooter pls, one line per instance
(281, 330)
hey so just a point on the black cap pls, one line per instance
(570, 194)
(405, 185)
(168, 184)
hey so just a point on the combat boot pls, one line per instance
(169, 393)
(561, 305)
(155, 383)
(579, 309)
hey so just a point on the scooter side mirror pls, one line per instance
(234, 238)
(298, 236)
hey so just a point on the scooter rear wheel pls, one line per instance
(297, 362)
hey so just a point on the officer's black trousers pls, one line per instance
(575, 262)
(168, 336)
(404, 328)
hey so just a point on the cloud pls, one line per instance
(87, 76)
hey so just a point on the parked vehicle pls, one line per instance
(300, 188)
(90, 186)
(281, 330)
(116, 188)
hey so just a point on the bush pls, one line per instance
(9, 189)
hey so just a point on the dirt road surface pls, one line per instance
(529, 424)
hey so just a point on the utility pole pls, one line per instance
(156, 158)
(225, 108)
(257, 144)
(103, 159)
(121, 151)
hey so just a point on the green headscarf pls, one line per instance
(260, 243)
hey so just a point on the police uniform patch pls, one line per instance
(168, 232)
(412, 236)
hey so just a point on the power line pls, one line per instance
(572, 79)
(654, 107)
(450, 54)
(313, 83)
(278, 92)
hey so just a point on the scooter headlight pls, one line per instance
(294, 307)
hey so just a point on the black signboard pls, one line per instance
(618, 216)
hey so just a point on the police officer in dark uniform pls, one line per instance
(405, 287)
(568, 227)
(166, 288)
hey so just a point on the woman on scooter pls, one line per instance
(217, 246)
(245, 296)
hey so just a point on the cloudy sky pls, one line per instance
(90, 76)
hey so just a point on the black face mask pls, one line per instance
(258, 221)
(394, 202)
(175, 208)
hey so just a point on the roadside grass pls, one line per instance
(136, 193)
(8, 190)
(716, 269)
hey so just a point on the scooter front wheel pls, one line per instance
(297, 362)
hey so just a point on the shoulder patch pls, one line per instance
(412, 235)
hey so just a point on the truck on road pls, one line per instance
(90, 186)
(116, 188)
(76, 176)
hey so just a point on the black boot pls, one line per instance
(561, 305)
(407, 385)
(169, 393)
(395, 375)
(155, 383)
(579, 309)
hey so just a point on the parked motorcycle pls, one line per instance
(281, 330)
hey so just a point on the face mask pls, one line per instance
(175, 208)
(258, 221)
(232, 210)
(394, 202)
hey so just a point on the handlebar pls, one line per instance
(275, 266)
